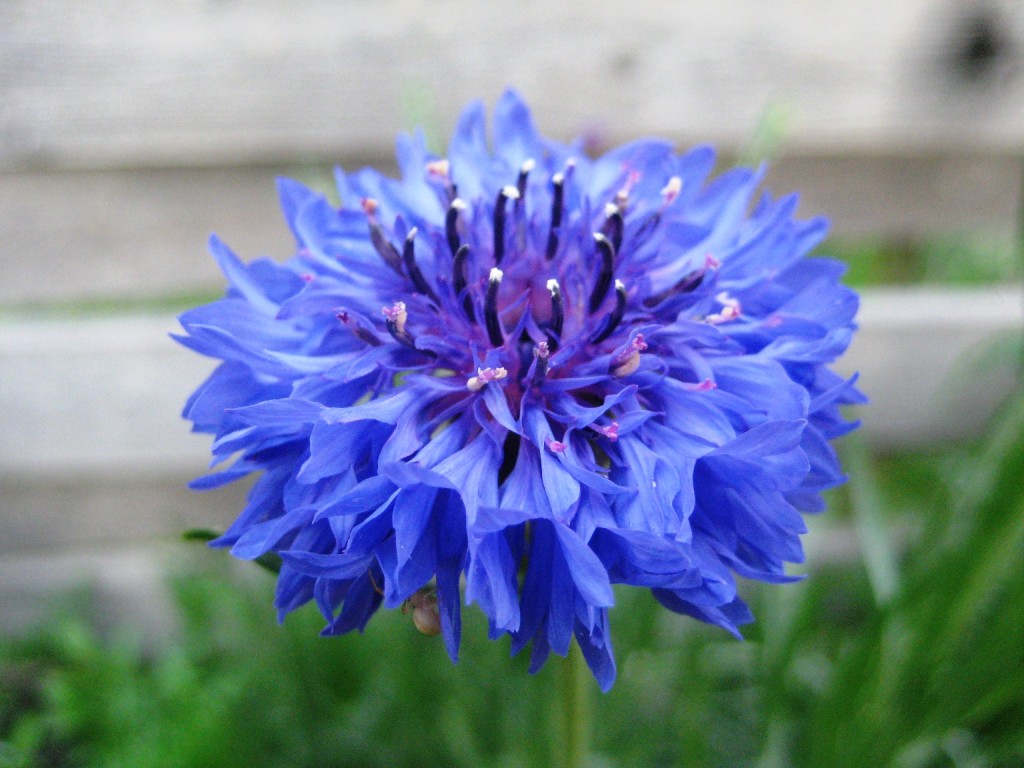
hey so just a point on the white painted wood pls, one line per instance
(191, 81)
(142, 232)
(130, 131)
(96, 395)
(104, 395)
(94, 458)
(126, 587)
(130, 234)
(936, 363)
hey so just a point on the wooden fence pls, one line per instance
(130, 131)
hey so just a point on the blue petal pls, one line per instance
(515, 137)
(491, 581)
(588, 574)
(327, 566)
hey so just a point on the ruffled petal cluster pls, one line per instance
(517, 376)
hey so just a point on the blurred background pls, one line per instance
(129, 131)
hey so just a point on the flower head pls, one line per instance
(532, 371)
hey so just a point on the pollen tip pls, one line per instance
(495, 275)
(610, 209)
(558, 178)
(458, 204)
(731, 309)
(412, 233)
(369, 205)
(485, 376)
(671, 190)
(552, 285)
(439, 167)
(611, 431)
(528, 165)
(510, 192)
(628, 360)
(396, 314)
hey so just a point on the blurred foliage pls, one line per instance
(953, 259)
(910, 656)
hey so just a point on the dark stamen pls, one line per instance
(494, 331)
(557, 315)
(524, 172)
(459, 268)
(357, 330)
(540, 371)
(400, 334)
(557, 200)
(614, 226)
(506, 193)
(451, 225)
(604, 277)
(690, 282)
(418, 281)
(612, 320)
(383, 246)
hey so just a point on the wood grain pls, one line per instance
(138, 233)
(116, 84)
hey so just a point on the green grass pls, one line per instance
(965, 259)
(910, 656)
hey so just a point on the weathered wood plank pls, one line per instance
(87, 396)
(134, 233)
(142, 232)
(191, 82)
(104, 396)
(936, 363)
(94, 459)
(110, 508)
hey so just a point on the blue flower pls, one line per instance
(528, 375)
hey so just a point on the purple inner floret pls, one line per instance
(528, 375)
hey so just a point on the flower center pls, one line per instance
(524, 286)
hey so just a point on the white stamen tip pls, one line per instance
(510, 192)
(495, 275)
(731, 309)
(438, 167)
(671, 190)
(553, 285)
(528, 166)
(396, 314)
(485, 376)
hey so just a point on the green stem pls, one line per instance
(573, 722)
